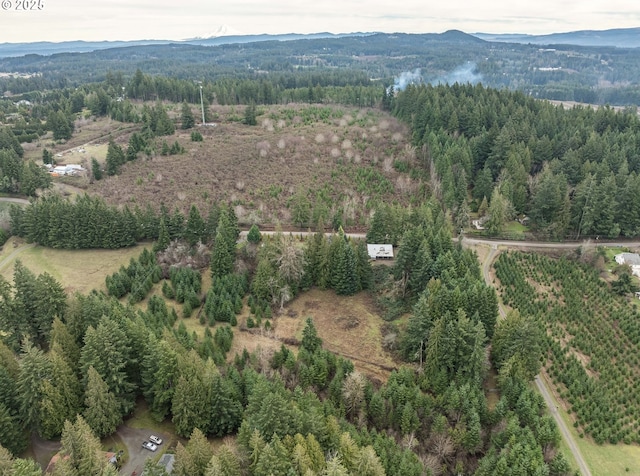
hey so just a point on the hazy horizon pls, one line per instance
(119, 20)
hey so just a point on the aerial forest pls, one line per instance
(163, 329)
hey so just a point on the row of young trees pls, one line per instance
(592, 344)
(88, 222)
(573, 171)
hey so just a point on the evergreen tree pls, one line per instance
(195, 229)
(160, 123)
(254, 235)
(33, 177)
(163, 237)
(34, 369)
(250, 114)
(222, 257)
(47, 157)
(521, 339)
(498, 213)
(60, 397)
(12, 435)
(300, 209)
(96, 170)
(107, 350)
(81, 452)
(102, 412)
(187, 119)
(344, 271)
(115, 158)
(192, 459)
(310, 340)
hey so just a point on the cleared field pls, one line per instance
(76, 270)
(342, 157)
(348, 326)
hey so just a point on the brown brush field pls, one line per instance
(314, 149)
(349, 326)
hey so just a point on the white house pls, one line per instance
(380, 251)
(632, 259)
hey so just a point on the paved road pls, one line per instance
(549, 244)
(540, 383)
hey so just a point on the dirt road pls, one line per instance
(8, 259)
(568, 438)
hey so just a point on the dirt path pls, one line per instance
(568, 438)
(8, 259)
(24, 201)
(43, 450)
(541, 384)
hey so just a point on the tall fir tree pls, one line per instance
(102, 410)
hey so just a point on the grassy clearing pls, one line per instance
(348, 326)
(142, 419)
(76, 270)
(610, 253)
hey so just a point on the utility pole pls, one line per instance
(202, 105)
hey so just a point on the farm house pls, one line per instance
(380, 251)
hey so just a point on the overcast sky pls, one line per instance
(61, 20)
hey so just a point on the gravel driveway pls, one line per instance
(133, 438)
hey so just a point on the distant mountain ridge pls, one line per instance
(618, 37)
(47, 48)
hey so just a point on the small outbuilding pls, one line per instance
(631, 259)
(380, 251)
(167, 461)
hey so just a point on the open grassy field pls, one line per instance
(77, 270)
(89, 134)
(348, 326)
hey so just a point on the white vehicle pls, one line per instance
(149, 446)
(155, 439)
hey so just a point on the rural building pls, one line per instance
(380, 251)
(66, 169)
(631, 259)
(167, 461)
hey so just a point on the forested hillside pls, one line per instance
(573, 172)
(564, 72)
